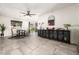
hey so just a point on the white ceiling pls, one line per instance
(14, 9)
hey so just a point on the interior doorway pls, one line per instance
(33, 27)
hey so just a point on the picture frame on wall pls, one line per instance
(51, 20)
(16, 23)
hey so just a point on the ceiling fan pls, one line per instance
(28, 13)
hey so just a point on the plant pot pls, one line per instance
(2, 34)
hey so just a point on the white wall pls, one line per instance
(63, 16)
(7, 22)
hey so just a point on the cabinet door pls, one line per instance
(52, 34)
(55, 35)
(44, 33)
(67, 36)
(47, 33)
(40, 33)
(61, 35)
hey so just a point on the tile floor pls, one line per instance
(34, 45)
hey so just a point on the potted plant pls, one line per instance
(67, 25)
(2, 29)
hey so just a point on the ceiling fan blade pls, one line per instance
(32, 14)
(23, 12)
(25, 15)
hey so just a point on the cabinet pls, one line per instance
(59, 35)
